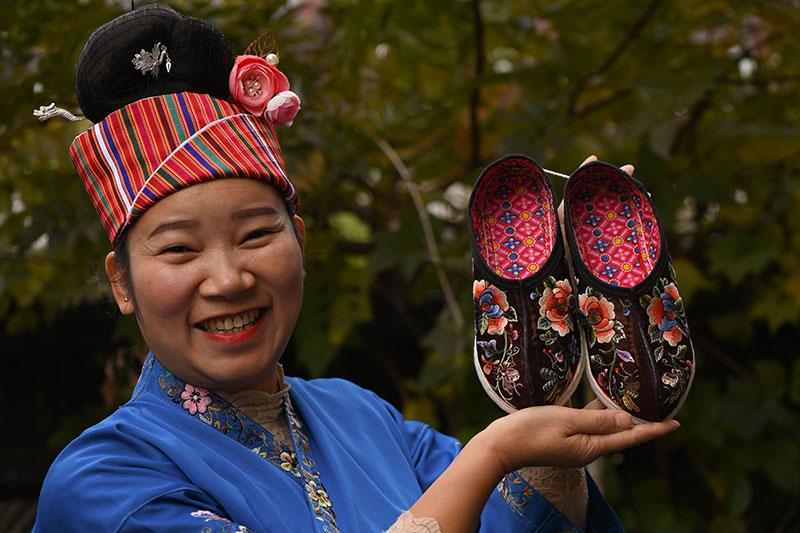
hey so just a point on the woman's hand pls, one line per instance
(625, 168)
(563, 436)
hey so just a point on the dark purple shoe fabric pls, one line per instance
(526, 349)
(640, 356)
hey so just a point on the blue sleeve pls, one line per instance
(182, 510)
(514, 505)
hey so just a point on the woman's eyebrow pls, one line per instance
(183, 223)
(254, 212)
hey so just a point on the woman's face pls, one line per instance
(217, 282)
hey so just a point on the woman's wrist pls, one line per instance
(490, 445)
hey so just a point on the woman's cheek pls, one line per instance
(169, 288)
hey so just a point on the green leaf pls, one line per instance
(511, 314)
(543, 323)
(349, 227)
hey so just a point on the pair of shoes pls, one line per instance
(593, 289)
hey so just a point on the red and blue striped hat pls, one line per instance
(180, 116)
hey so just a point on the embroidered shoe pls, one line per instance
(526, 350)
(635, 334)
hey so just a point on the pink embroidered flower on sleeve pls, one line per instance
(196, 399)
(253, 82)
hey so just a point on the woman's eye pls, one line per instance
(176, 250)
(258, 234)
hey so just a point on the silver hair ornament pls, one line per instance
(46, 112)
(150, 62)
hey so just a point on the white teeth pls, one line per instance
(230, 324)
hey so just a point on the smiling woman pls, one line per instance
(216, 282)
(184, 168)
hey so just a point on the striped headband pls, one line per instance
(156, 146)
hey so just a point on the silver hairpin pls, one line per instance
(150, 62)
(46, 112)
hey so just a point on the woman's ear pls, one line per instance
(300, 231)
(119, 285)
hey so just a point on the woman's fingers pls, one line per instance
(595, 404)
(638, 434)
(599, 421)
(625, 168)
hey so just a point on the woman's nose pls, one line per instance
(227, 276)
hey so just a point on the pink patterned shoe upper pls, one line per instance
(615, 228)
(512, 216)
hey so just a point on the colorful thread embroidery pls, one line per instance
(224, 526)
(668, 332)
(555, 323)
(614, 228)
(494, 316)
(222, 416)
(516, 492)
(515, 229)
(619, 376)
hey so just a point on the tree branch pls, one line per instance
(703, 104)
(427, 228)
(599, 104)
(613, 57)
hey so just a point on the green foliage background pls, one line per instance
(701, 95)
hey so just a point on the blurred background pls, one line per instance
(403, 103)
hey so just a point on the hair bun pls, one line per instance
(200, 60)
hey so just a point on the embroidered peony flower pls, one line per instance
(253, 82)
(600, 315)
(664, 312)
(492, 304)
(196, 399)
(283, 107)
(553, 305)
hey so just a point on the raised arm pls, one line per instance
(537, 436)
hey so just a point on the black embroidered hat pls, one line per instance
(187, 54)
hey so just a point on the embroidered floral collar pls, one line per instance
(213, 411)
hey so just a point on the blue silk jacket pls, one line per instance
(179, 458)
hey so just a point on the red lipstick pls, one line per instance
(236, 337)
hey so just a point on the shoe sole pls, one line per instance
(507, 407)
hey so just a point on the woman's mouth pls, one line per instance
(232, 323)
(233, 329)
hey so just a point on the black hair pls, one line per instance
(200, 60)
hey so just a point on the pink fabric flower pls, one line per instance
(253, 82)
(283, 107)
(554, 305)
(196, 399)
(600, 314)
